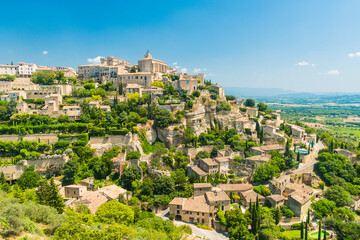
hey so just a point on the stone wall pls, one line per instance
(44, 138)
(44, 165)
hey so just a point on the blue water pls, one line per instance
(302, 151)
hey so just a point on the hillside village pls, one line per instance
(159, 140)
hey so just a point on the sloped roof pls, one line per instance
(238, 187)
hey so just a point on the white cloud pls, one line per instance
(197, 70)
(333, 72)
(183, 70)
(45, 52)
(175, 63)
(95, 60)
(357, 54)
(304, 63)
(177, 67)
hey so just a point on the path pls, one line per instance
(198, 232)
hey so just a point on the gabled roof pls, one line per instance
(238, 187)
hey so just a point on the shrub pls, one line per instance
(133, 155)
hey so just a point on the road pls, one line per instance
(197, 232)
(308, 167)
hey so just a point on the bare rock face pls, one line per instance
(169, 136)
(227, 119)
(196, 120)
(151, 135)
(101, 148)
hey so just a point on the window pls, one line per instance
(187, 82)
(202, 221)
(203, 214)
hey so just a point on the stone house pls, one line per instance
(202, 207)
(299, 201)
(346, 153)
(275, 200)
(250, 196)
(93, 199)
(74, 191)
(262, 150)
(252, 112)
(256, 160)
(235, 188)
(208, 165)
(223, 164)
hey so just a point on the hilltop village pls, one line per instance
(115, 143)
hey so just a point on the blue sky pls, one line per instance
(298, 45)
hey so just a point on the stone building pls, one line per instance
(263, 150)
(202, 207)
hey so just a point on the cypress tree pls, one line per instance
(298, 157)
(2, 178)
(302, 230)
(308, 217)
(306, 231)
(257, 128)
(277, 216)
(261, 135)
(319, 234)
(325, 234)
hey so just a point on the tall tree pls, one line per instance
(319, 234)
(70, 169)
(48, 194)
(325, 234)
(298, 157)
(262, 135)
(277, 216)
(302, 230)
(306, 230)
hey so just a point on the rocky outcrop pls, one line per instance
(196, 119)
(151, 135)
(169, 136)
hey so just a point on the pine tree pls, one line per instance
(48, 194)
(302, 230)
(319, 235)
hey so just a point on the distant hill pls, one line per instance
(287, 96)
(256, 92)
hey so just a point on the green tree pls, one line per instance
(115, 212)
(323, 207)
(70, 170)
(48, 194)
(162, 118)
(29, 179)
(60, 77)
(43, 77)
(338, 194)
(277, 215)
(164, 185)
(302, 230)
(202, 155)
(129, 175)
(262, 106)
(249, 102)
(319, 232)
